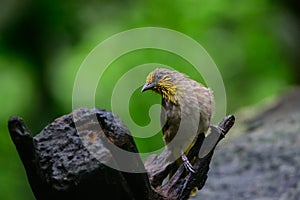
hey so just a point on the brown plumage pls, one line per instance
(187, 108)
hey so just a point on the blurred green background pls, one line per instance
(255, 45)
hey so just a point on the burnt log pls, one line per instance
(73, 158)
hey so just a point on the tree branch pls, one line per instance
(68, 159)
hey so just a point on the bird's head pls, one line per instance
(164, 82)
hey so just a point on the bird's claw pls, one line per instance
(188, 166)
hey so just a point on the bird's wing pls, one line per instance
(170, 120)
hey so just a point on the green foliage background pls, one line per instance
(42, 43)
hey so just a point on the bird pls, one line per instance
(187, 110)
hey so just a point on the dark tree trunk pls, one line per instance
(66, 160)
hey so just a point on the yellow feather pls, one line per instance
(167, 89)
(150, 77)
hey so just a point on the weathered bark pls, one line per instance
(66, 160)
(182, 182)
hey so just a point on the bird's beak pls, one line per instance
(147, 86)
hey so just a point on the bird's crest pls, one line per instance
(150, 77)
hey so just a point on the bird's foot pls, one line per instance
(188, 166)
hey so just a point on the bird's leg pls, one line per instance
(188, 166)
(192, 153)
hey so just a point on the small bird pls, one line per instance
(187, 109)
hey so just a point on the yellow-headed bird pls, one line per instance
(187, 108)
